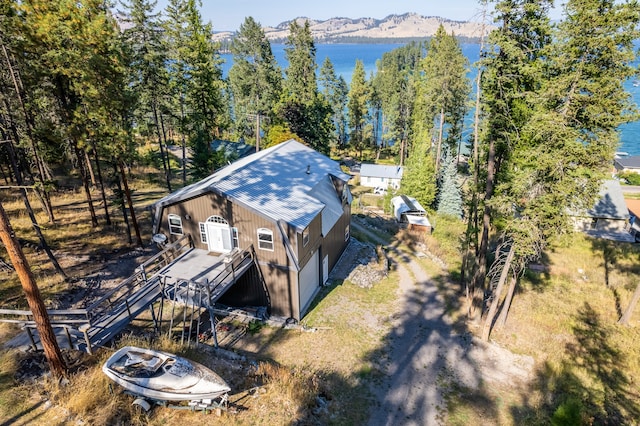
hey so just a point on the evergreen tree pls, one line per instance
(335, 91)
(395, 86)
(208, 110)
(449, 195)
(418, 177)
(255, 77)
(147, 72)
(445, 89)
(358, 106)
(303, 109)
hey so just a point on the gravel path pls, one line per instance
(425, 354)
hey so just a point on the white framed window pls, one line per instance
(346, 233)
(175, 225)
(305, 237)
(265, 239)
(203, 233)
(236, 239)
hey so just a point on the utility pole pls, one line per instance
(43, 325)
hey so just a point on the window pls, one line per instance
(265, 239)
(203, 233)
(236, 240)
(175, 224)
(346, 233)
(305, 237)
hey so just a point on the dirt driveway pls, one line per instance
(426, 356)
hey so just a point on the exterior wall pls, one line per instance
(279, 274)
(373, 182)
(198, 209)
(334, 243)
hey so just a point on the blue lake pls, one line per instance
(344, 56)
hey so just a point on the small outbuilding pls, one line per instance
(609, 217)
(418, 224)
(404, 205)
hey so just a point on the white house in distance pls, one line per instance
(380, 176)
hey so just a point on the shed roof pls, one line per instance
(632, 162)
(611, 204)
(277, 182)
(380, 170)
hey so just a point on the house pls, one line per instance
(232, 151)
(291, 203)
(627, 164)
(380, 176)
(609, 217)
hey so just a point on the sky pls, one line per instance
(227, 15)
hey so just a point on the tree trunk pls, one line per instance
(89, 168)
(504, 312)
(29, 128)
(184, 144)
(439, 146)
(43, 325)
(85, 184)
(476, 289)
(101, 181)
(488, 321)
(122, 203)
(626, 316)
(164, 159)
(43, 242)
(127, 194)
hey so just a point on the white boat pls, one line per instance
(161, 376)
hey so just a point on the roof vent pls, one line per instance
(308, 169)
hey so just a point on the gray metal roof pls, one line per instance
(632, 162)
(382, 171)
(276, 182)
(611, 204)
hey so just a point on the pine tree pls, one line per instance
(335, 91)
(445, 89)
(358, 106)
(303, 109)
(255, 77)
(418, 177)
(449, 195)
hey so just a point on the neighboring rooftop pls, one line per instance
(232, 150)
(632, 162)
(611, 204)
(380, 170)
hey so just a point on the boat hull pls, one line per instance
(163, 376)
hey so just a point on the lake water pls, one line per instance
(344, 56)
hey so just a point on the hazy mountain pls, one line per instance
(393, 27)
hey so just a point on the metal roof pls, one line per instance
(277, 182)
(611, 204)
(382, 171)
(632, 162)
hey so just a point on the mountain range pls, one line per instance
(392, 28)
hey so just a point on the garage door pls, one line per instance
(309, 282)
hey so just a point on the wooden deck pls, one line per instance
(180, 273)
